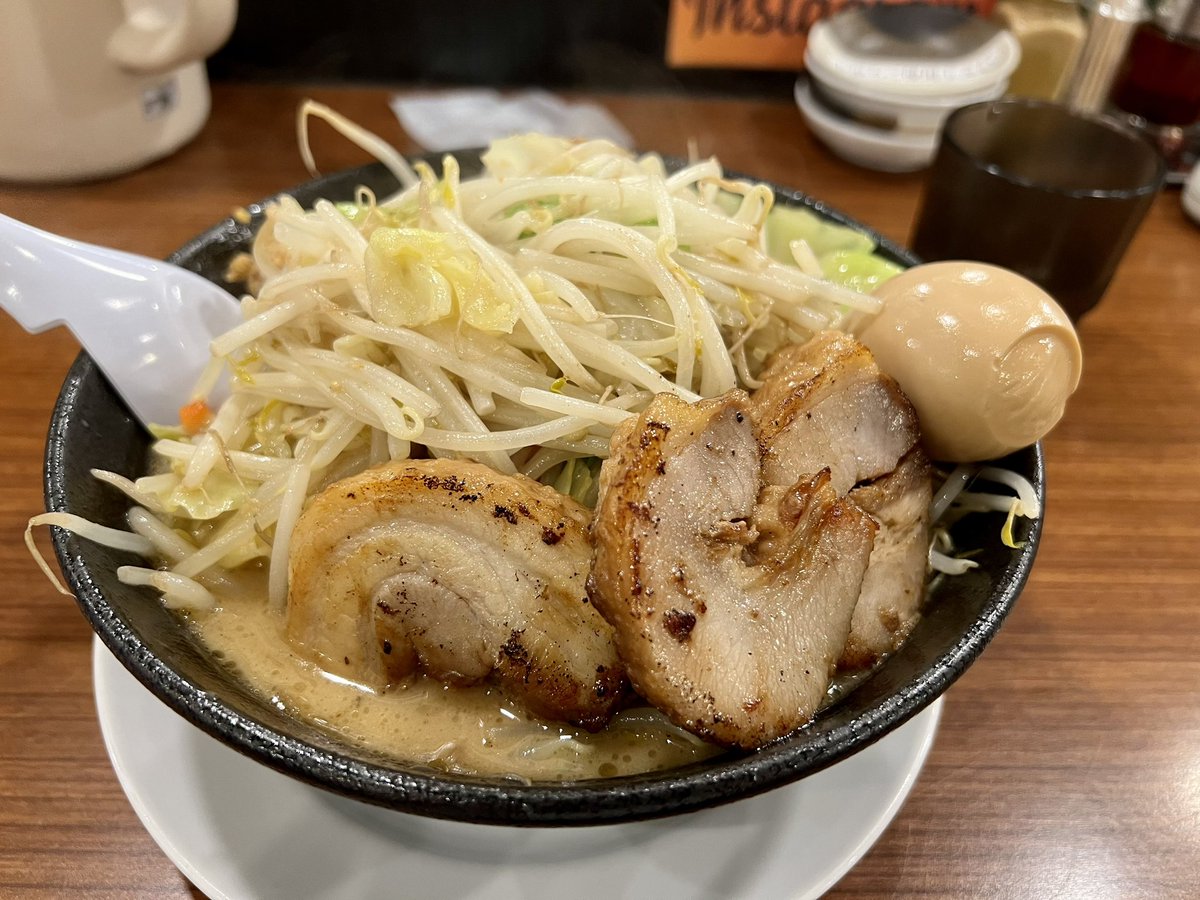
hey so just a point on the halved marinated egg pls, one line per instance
(987, 357)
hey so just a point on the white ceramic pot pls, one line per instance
(1190, 196)
(91, 88)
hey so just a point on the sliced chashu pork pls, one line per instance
(894, 587)
(825, 404)
(454, 569)
(735, 642)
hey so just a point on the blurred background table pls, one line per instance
(1068, 761)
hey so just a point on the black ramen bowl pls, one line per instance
(92, 428)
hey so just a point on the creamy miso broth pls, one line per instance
(466, 730)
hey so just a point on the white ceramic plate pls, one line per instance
(240, 831)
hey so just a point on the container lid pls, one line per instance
(911, 51)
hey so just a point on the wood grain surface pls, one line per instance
(1068, 760)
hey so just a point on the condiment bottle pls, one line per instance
(1051, 34)
(1110, 29)
(1159, 79)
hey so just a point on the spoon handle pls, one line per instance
(146, 323)
(38, 270)
(23, 275)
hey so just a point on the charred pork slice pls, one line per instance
(894, 587)
(825, 404)
(734, 641)
(454, 569)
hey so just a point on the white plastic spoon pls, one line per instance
(145, 322)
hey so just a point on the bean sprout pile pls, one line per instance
(513, 318)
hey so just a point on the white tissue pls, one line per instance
(454, 120)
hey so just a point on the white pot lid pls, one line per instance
(911, 52)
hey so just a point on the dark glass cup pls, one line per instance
(1051, 194)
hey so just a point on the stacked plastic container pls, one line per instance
(881, 79)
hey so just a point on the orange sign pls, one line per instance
(757, 34)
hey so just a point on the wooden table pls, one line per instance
(1068, 761)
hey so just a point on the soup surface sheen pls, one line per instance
(467, 730)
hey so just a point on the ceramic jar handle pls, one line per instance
(160, 35)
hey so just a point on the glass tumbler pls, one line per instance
(1032, 186)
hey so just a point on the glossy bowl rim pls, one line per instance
(722, 779)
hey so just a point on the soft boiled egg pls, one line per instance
(987, 357)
